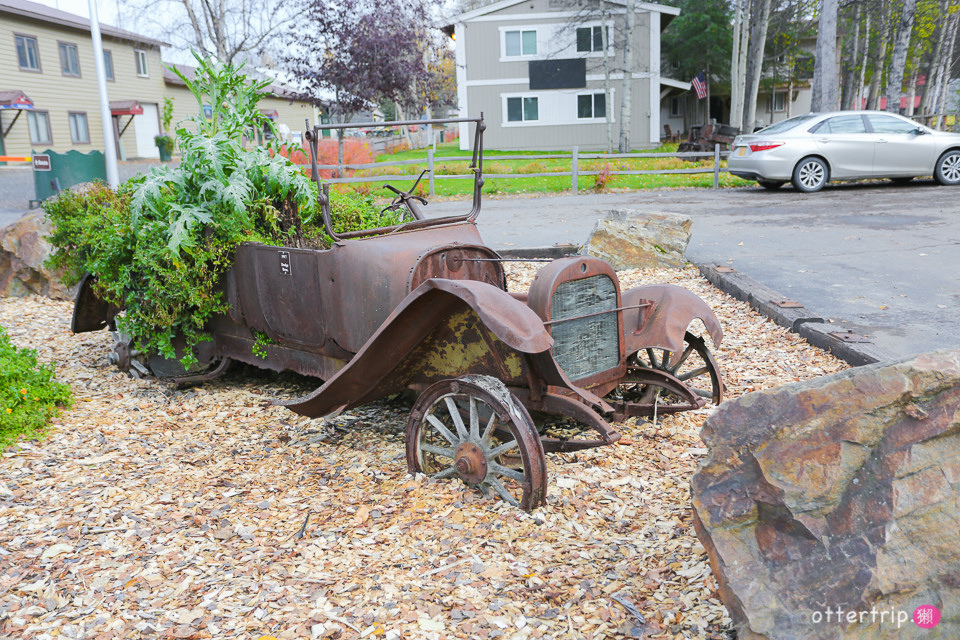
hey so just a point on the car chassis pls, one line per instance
(424, 306)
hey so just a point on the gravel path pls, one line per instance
(184, 514)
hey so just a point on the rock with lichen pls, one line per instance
(23, 250)
(831, 508)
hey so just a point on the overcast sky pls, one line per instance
(106, 9)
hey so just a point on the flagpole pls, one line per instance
(707, 82)
(109, 146)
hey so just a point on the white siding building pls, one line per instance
(535, 70)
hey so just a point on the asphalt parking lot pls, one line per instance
(878, 259)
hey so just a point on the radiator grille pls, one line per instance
(585, 346)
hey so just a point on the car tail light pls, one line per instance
(764, 146)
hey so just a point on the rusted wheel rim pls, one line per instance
(468, 428)
(694, 367)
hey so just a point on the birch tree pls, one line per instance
(626, 95)
(878, 57)
(943, 73)
(738, 59)
(825, 81)
(758, 42)
(862, 55)
(931, 88)
(607, 86)
(849, 87)
(898, 60)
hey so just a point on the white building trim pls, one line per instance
(481, 14)
(460, 59)
(511, 17)
(676, 84)
(592, 77)
(653, 108)
(557, 107)
(536, 28)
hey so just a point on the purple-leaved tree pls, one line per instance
(363, 53)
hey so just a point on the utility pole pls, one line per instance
(109, 147)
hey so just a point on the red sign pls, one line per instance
(41, 162)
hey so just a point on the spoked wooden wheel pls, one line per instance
(474, 429)
(694, 368)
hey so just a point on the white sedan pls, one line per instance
(813, 149)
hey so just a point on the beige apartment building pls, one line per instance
(48, 86)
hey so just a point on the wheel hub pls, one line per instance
(471, 463)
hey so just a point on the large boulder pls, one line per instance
(23, 249)
(831, 508)
(633, 239)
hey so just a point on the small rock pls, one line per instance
(223, 533)
(23, 250)
(633, 239)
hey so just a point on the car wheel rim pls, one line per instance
(951, 168)
(811, 175)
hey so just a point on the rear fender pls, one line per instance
(442, 329)
(90, 312)
(664, 321)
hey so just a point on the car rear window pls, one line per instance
(787, 125)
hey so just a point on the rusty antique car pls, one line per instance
(424, 306)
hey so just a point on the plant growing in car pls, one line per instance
(162, 243)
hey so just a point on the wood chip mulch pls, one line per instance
(209, 513)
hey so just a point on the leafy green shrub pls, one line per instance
(161, 245)
(29, 396)
(355, 211)
(92, 234)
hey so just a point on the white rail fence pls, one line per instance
(574, 173)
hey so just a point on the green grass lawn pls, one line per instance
(518, 165)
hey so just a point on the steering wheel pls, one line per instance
(402, 198)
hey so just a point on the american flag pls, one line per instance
(700, 85)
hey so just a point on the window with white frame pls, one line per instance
(69, 59)
(592, 105)
(39, 124)
(141, 57)
(676, 107)
(777, 102)
(590, 39)
(79, 131)
(28, 55)
(521, 42)
(108, 64)
(523, 109)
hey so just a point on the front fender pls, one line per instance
(398, 353)
(663, 323)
